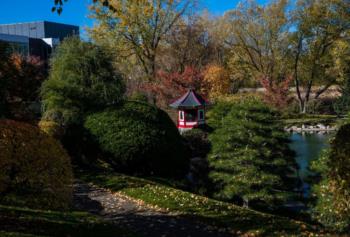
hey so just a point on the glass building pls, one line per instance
(16, 44)
(36, 38)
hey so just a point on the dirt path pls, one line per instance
(138, 217)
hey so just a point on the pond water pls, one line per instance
(308, 147)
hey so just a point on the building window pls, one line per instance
(201, 114)
(191, 116)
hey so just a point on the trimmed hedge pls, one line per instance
(140, 138)
(35, 170)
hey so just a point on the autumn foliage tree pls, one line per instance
(28, 74)
(136, 29)
(170, 85)
(277, 93)
(217, 81)
(321, 26)
(21, 80)
(257, 41)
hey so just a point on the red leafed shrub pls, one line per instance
(35, 170)
(26, 79)
(277, 93)
(170, 86)
(25, 74)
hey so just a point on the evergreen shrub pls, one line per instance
(250, 160)
(197, 142)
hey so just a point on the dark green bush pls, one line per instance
(333, 192)
(35, 170)
(197, 142)
(140, 137)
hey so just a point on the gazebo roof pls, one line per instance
(189, 100)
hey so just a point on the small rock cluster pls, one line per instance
(311, 128)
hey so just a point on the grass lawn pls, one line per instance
(16, 234)
(310, 119)
(222, 214)
(23, 222)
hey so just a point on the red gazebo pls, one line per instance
(191, 110)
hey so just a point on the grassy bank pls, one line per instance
(18, 222)
(221, 214)
(309, 119)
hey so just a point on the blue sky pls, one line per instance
(75, 11)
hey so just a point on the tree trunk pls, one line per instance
(302, 106)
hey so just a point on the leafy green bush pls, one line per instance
(35, 170)
(82, 78)
(140, 137)
(250, 157)
(333, 192)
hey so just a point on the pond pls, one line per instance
(308, 147)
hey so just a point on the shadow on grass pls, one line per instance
(52, 223)
(199, 208)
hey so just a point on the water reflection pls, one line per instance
(308, 147)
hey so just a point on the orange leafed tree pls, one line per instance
(217, 81)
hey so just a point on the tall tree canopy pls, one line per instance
(320, 26)
(258, 44)
(257, 38)
(135, 29)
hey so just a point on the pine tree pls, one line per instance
(250, 158)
